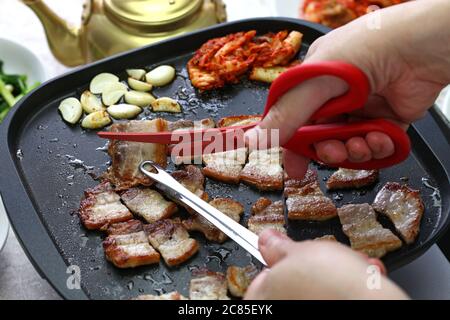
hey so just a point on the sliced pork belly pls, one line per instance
(192, 178)
(196, 222)
(305, 200)
(225, 166)
(239, 279)
(126, 156)
(267, 215)
(168, 296)
(327, 237)
(101, 206)
(127, 245)
(183, 125)
(264, 170)
(149, 204)
(235, 121)
(172, 240)
(348, 179)
(403, 206)
(366, 234)
(208, 285)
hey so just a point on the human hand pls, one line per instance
(317, 270)
(407, 67)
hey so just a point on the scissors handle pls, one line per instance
(353, 99)
(304, 139)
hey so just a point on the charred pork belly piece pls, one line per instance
(127, 156)
(127, 245)
(305, 200)
(264, 170)
(208, 285)
(167, 296)
(235, 121)
(186, 125)
(403, 206)
(366, 234)
(327, 237)
(349, 179)
(239, 279)
(196, 222)
(101, 206)
(149, 204)
(267, 215)
(182, 125)
(172, 240)
(192, 178)
(225, 166)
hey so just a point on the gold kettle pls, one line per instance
(112, 26)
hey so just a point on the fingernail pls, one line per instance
(251, 138)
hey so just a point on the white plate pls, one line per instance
(446, 104)
(17, 60)
(287, 8)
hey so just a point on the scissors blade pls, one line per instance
(241, 235)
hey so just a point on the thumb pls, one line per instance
(294, 109)
(274, 246)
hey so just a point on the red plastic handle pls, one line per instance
(354, 99)
(303, 141)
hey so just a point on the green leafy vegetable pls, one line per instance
(8, 97)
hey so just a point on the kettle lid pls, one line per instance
(151, 15)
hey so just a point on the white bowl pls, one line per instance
(17, 60)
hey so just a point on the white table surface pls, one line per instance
(426, 278)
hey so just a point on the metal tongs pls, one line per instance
(241, 235)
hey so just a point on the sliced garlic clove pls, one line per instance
(139, 85)
(137, 74)
(101, 81)
(166, 105)
(90, 102)
(160, 76)
(96, 120)
(124, 111)
(113, 92)
(71, 110)
(141, 99)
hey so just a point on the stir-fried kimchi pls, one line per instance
(225, 60)
(335, 13)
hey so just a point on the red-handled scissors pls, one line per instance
(304, 139)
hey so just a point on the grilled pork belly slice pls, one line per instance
(127, 156)
(192, 178)
(148, 204)
(225, 166)
(101, 206)
(196, 222)
(235, 121)
(168, 296)
(366, 234)
(348, 179)
(264, 170)
(403, 206)
(172, 240)
(327, 237)
(267, 215)
(127, 246)
(239, 279)
(183, 125)
(208, 285)
(305, 200)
